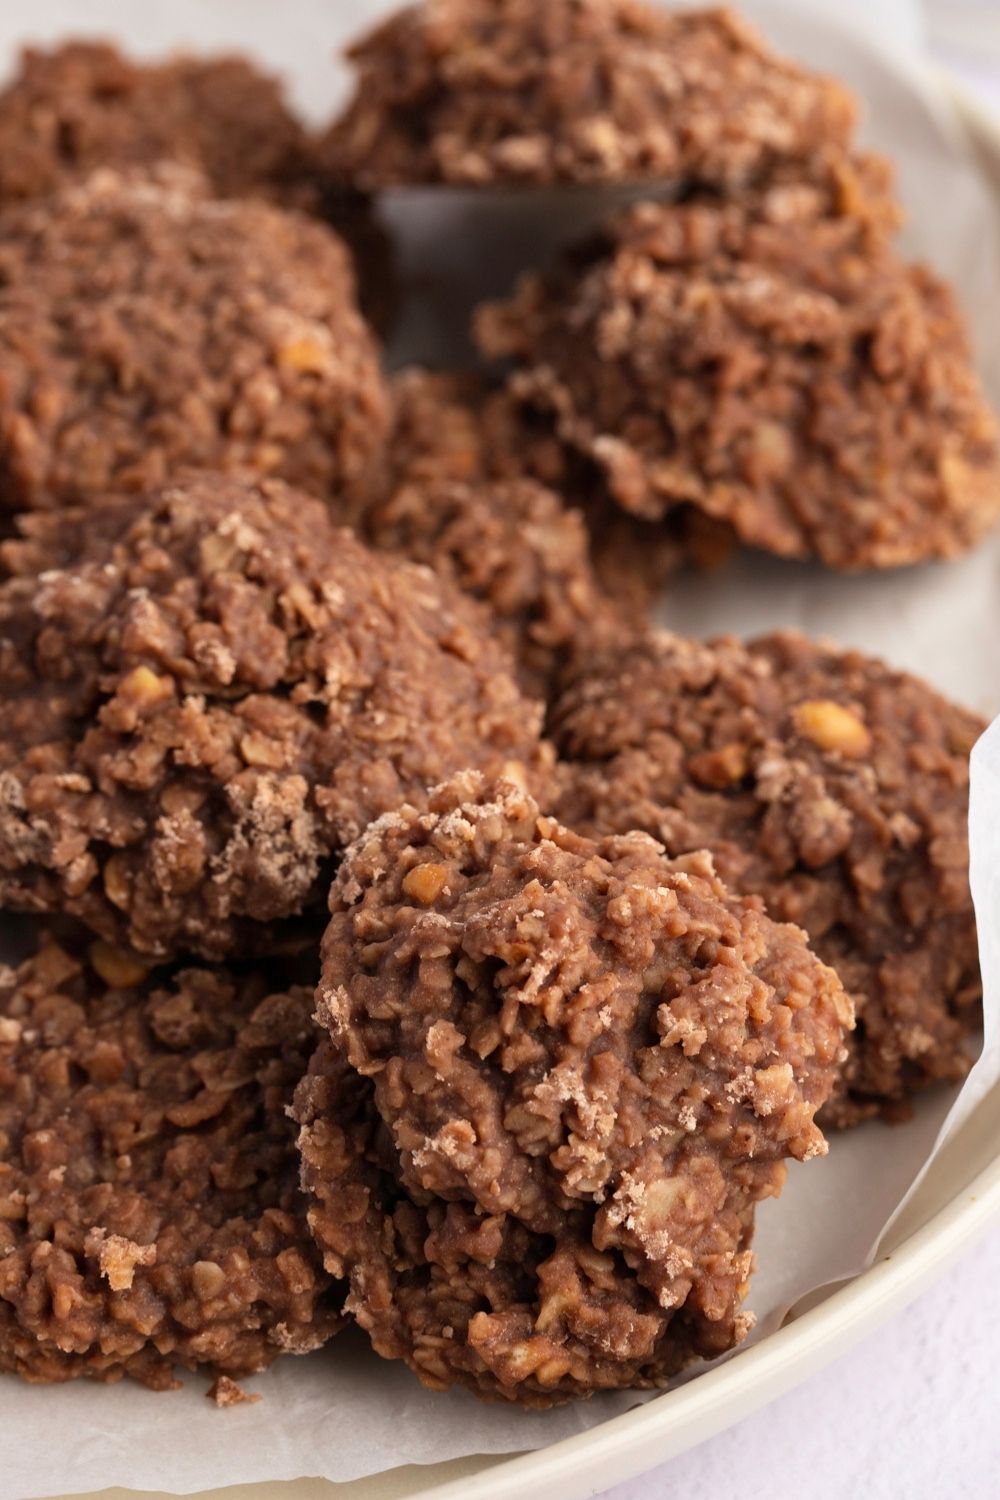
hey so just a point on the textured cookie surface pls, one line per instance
(148, 1176)
(450, 430)
(486, 92)
(454, 493)
(770, 360)
(561, 1073)
(85, 105)
(830, 785)
(145, 326)
(207, 692)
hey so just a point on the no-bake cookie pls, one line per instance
(459, 492)
(144, 326)
(207, 692)
(825, 782)
(462, 428)
(514, 546)
(561, 1074)
(489, 92)
(85, 105)
(151, 1213)
(770, 360)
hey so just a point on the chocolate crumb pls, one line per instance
(225, 1392)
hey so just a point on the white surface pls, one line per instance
(909, 1414)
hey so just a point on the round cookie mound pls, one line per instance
(148, 1174)
(771, 361)
(483, 92)
(145, 326)
(451, 428)
(830, 785)
(572, 1068)
(207, 692)
(514, 546)
(84, 105)
(443, 498)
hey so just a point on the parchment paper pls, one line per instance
(343, 1413)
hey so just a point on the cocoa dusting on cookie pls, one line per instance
(770, 360)
(561, 1073)
(145, 326)
(151, 1214)
(830, 785)
(488, 92)
(211, 697)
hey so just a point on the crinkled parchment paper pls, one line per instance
(343, 1413)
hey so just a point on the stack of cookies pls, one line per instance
(406, 931)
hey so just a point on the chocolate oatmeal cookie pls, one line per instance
(561, 1074)
(455, 492)
(145, 326)
(830, 785)
(486, 92)
(151, 1215)
(517, 549)
(84, 105)
(215, 695)
(461, 428)
(770, 360)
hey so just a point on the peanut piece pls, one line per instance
(258, 750)
(424, 883)
(304, 355)
(513, 770)
(117, 886)
(117, 966)
(719, 768)
(207, 1279)
(10, 1031)
(144, 688)
(832, 727)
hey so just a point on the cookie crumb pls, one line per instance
(226, 1392)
